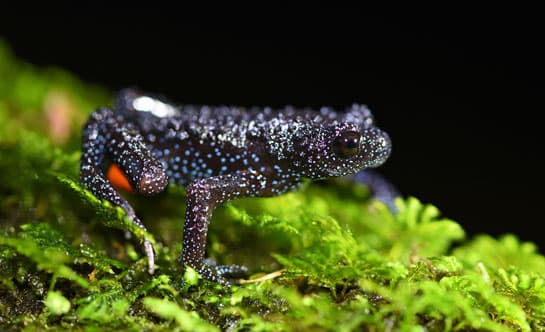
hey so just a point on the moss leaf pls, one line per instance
(187, 321)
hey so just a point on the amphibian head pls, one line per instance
(343, 146)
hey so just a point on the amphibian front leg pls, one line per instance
(381, 189)
(203, 196)
(108, 139)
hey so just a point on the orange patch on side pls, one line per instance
(118, 179)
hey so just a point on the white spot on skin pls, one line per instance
(154, 106)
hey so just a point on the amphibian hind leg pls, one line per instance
(106, 138)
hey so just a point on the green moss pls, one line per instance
(338, 260)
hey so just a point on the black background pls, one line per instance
(459, 90)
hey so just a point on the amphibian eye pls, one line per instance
(347, 144)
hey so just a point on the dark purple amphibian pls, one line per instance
(219, 154)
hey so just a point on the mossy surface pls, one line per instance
(324, 258)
